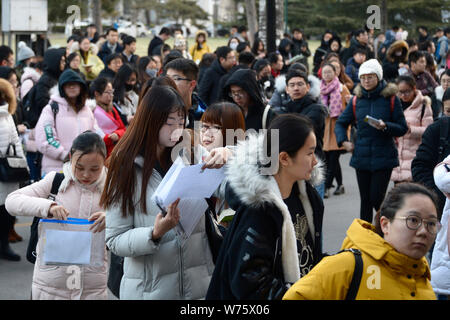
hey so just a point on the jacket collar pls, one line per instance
(384, 89)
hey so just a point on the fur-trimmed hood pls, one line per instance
(398, 45)
(314, 91)
(387, 90)
(255, 188)
(9, 96)
(75, 47)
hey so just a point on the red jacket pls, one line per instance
(114, 119)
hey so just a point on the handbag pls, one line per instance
(13, 168)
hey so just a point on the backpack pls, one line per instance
(34, 236)
(357, 274)
(30, 113)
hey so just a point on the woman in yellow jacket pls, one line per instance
(200, 47)
(91, 64)
(394, 264)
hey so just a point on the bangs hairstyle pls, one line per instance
(88, 142)
(140, 139)
(227, 115)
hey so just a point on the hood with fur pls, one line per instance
(398, 45)
(387, 90)
(255, 189)
(314, 82)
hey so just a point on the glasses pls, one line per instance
(212, 129)
(110, 93)
(238, 94)
(296, 84)
(231, 57)
(405, 92)
(176, 79)
(414, 222)
(368, 77)
(447, 81)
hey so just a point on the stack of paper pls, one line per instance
(192, 186)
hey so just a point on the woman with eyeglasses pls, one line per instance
(418, 115)
(242, 88)
(394, 266)
(374, 152)
(107, 116)
(222, 125)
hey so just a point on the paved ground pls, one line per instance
(15, 277)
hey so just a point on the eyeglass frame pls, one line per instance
(438, 224)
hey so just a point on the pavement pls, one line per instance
(15, 277)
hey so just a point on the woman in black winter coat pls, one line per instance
(276, 233)
(374, 152)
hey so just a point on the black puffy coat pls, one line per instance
(39, 96)
(257, 258)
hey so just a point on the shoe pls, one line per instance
(339, 190)
(7, 254)
(13, 236)
(326, 194)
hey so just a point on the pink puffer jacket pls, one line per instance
(409, 143)
(54, 140)
(50, 282)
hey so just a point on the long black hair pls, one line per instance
(120, 80)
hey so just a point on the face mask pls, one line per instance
(151, 72)
(128, 87)
(398, 53)
(233, 45)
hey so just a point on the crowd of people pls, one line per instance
(110, 122)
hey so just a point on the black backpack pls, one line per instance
(34, 237)
(357, 274)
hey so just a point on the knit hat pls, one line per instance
(371, 66)
(24, 52)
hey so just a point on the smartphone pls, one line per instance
(372, 121)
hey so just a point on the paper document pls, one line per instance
(187, 182)
(67, 247)
(192, 186)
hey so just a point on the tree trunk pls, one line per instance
(252, 19)
(271, 29)
(384, 16)
(98, 15)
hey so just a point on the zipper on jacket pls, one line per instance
(181, 270)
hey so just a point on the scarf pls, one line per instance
(105, 121)
(331, 96)
(69, 177)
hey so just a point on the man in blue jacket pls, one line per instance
(111, 44)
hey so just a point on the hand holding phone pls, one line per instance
(376, 123)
